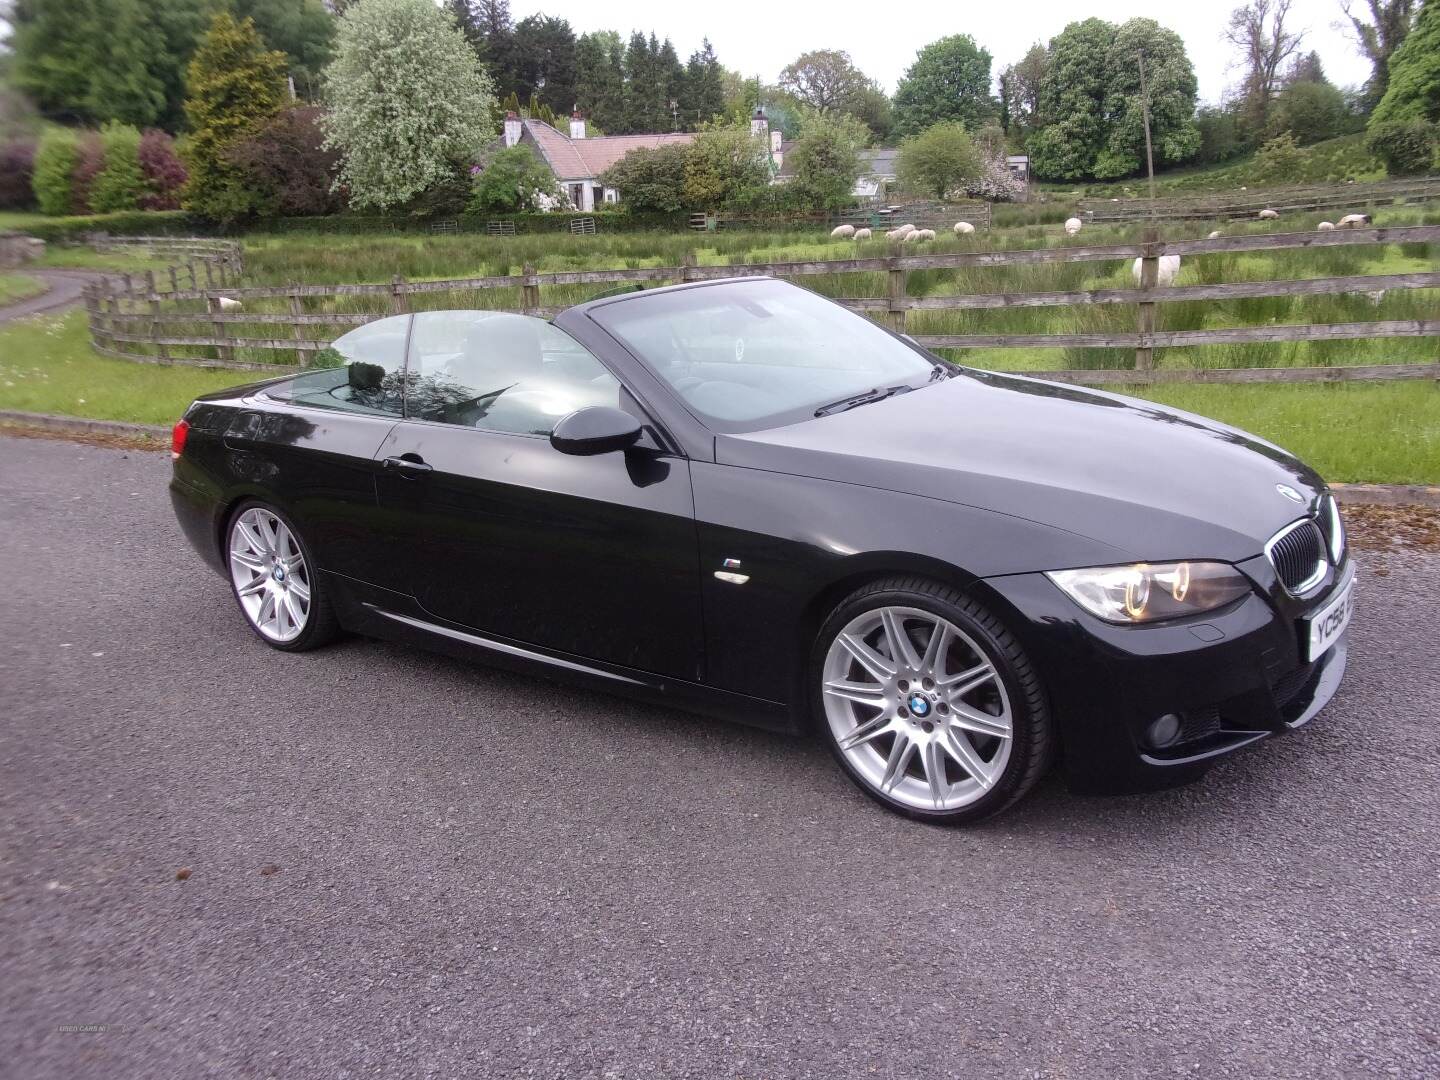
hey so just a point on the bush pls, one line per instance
(130, 223)
(54, 176)
(1407, 147)
(120, 183)
(724, 168)
(444, 198)
(1279, 161)
(88, 166)
(164, 174)
(826, 159)
(938, 160)
(17, 175)
(650, 181)
(287, 170)
(1312, 112)
(514, 179)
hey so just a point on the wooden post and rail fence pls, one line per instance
(1344, 198)
(135, 314)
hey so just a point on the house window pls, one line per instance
(577, 196)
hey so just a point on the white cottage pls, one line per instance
(577, 161)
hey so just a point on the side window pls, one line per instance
(500, 372)
(360, 372)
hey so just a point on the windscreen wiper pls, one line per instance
(880, 393)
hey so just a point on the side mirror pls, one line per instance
(596, 430)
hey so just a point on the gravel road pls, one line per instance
(402, 866)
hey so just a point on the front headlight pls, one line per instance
(1334, 530)
(1144, 592)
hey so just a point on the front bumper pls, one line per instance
(1235, 677)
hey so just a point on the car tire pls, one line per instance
(954, 731)
(274, 581)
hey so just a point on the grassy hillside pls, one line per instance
(1332, 161)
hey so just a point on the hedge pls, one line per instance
(605, 221)
(125, 223)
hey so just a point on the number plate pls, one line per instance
(1324, 628)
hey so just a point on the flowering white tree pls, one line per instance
(407, 99)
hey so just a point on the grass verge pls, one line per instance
(17, 287)
(47, 366)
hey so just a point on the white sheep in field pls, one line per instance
(1073, 226)
(1213, 236)
(963, 227)
(1268, 215)
(914, 236)
(899, 232)
(227, 304)
(1376, 297)
(842, 232)
(1325, 226)
(1166, 272)
(862, 234)
(927, 234)
(1353, 221)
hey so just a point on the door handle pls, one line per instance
(407, 465)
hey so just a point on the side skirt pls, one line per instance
(382, 613)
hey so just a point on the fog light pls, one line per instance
(1164, 731)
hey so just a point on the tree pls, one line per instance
(545, 61)
(950, 80)
(725, 167)
(514, 179)
(824, 80)
(287, 169)
(407, 100)
(650, 180)
(235, 85)
(1413, 93)
(496, 42)
(123, 85)
(55, 161)
(120, 183)
(600, 80)
(702, 96)
(1279, 160)
(1020, 90)
(672, 81)
(825, 158)
(1379, 30)
(1219, 135)
(645, 101)
(938, 160)
(1311, 111)
(1171, 87)
(1258, 31)
(1072, 101)
(302, 29)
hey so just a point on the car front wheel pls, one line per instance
(274, 580)
(929, 703)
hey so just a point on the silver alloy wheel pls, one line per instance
(917, 708)
(270, 575)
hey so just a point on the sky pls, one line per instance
(760, 38)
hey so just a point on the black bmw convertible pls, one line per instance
(741, 498)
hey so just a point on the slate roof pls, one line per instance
(580, 159)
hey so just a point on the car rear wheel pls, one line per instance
(929, 703)
(274, 580)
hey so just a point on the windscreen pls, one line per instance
(752, 354)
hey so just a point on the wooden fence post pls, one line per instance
(209, 274)
(222, 352)
(297, 329)
(91, 294)
(174, 281)
(895, 314)
(194, 281)
(529, 290)
(687, 263)
(399, 301)
(1149, 278)
(154, 300)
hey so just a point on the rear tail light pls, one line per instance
(177, 438)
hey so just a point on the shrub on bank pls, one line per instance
(17, 175)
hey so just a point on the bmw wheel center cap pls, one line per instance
(919, 705)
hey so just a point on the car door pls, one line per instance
(589, 555)
(311, 441)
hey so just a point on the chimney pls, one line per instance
(577, 124)
(759, 125)
(512, 128)
(777, 155)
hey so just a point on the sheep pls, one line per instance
(913, 236)
(1213, 235)
(899, 232)
(1268, 215)
(1166, 272)
(1353, 221)
(1073, 226)
(227, 304)
(927, 234)
(842, 232)
(862, 234)
(963, 227)
(1325, 226)
(1376, 297)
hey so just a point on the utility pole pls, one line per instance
(1145, 109)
